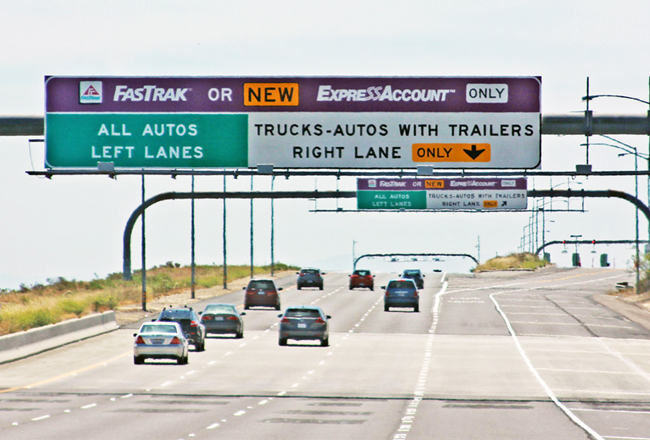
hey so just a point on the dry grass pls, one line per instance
(60, 299)
(513, 261)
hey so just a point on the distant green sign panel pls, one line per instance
(391, 200)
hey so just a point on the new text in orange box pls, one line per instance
(271, 94)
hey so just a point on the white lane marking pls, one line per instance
(615, 437)
(565, 370)
(282, 393)
(537, 376)
(47, 416)
(263, 402)
(126, 396)
(214, 425)
(91, 405)
(239, 413)
(628, 411)
(627, 362)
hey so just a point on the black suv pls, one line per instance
(190, 323)
(415, 275)
(310, 278)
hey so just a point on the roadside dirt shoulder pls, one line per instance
(133, 313)
(634, 307)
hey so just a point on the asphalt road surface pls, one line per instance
(493, 356)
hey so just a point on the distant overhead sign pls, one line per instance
(293, 122)
(450, 194)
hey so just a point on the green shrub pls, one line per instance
(70, 305)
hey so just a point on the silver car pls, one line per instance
(304, 322)
(160, 340)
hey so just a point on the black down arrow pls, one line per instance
(474, 153)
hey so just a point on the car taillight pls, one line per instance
(285, 320)
(232, 318)
(194, 324)
(415, 294)
(387, 293)
(175, 341)
(206, 318)
(319, 321)
(140, 340)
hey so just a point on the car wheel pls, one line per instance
(372, 287)
(320, 287)
(386, 308)
(138, 360)
(325, 342)
(299, 286)
(282, 342)
(277, 307)
(416, 309)
(239, 335)
(351, 288)
(246, 307)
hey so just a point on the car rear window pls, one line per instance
(219, 309)
(362, 273)
(400, 285)
(310, 271)
(176, 314)
(411, 272)
(261, 285)
(150, 328)
(302, 313)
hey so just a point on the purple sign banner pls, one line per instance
(433, 184)
(293, 94)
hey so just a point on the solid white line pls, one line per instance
(544, 385)
(92, 405)
(214, 425)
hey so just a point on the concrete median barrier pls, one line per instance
(30, 342)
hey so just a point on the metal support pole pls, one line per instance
(193, 245)
(144, 257)
(225, 253)
(636, 217)
(272, 229)
(252, 268)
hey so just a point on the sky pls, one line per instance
(72, 226)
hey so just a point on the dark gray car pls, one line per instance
(304, 323)
(223, 319)
(416, 275)
(310, 278)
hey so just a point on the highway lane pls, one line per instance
(491, 356)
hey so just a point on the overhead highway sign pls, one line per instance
(293, 122)
(445, 194)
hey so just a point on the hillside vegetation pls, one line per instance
(60, 299)
(511, 262)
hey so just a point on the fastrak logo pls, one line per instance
(90, 92)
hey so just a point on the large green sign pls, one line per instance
(147, 140)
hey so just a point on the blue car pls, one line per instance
(401, 293)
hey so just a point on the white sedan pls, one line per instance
(160, 340)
